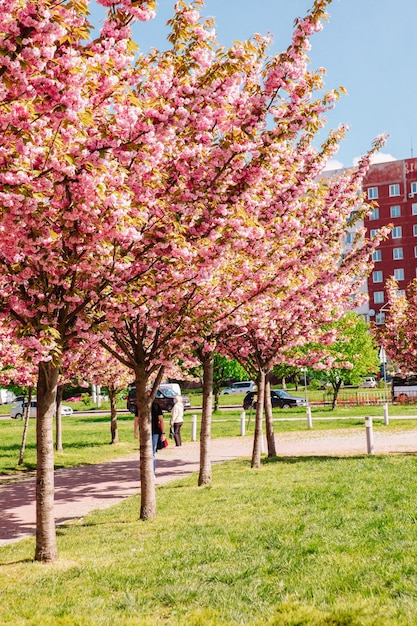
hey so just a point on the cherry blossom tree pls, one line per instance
(398, 336)
(93, 363)
(66, 225)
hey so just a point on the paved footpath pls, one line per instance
(80, 490)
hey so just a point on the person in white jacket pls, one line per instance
(177, 419)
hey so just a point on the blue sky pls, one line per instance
(368, 46)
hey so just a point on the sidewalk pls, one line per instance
(80, 490)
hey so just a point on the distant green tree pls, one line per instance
(287, 372)
(225, 370)
(354, 354)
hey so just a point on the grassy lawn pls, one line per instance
(300, 542)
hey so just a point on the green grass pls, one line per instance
(300, 542)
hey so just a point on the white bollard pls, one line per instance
(242, 424)
(386, 418)
(369, 435)
(194, 428)
(309, 420)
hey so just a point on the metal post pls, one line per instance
(386, 418)
(309, 420)
(242, 423)
(369, 435)
(194, 428)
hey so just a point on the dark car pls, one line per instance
(164, 397)
(280, 398)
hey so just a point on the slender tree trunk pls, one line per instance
(216, 398)
(204, 477)
(336, 389)
(147, 478)
(46, 549)
(257, 441)
(25, 428)
(269, 424)
(114, 431)
(58, 420)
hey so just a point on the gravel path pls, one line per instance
(80, 490)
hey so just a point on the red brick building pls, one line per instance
(393, 186)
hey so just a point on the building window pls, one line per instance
(414, 208)
(400, 292)
(378, 297)
(380, 318)
(377, 255)
(349, 238)
(399, 274)
(397, 232)
(373, 193)
(397, 253)
(415, 251)
(394, 190)
(377, 276)
(415, 230)
(373, 233)
(374, 215)
(413, 188)
(395, 211)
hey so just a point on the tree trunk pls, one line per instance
(204, 477)
(114, 431)
(216, 398)
(147, 477)
(257, 441)
(25, 428)
(46, 549)
(58, 420)
(336, 389)
(269, 424)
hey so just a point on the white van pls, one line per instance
(241, 387)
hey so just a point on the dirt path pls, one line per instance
(82, 489)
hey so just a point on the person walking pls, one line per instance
(177, 419)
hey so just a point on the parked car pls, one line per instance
(241, 387)
(279, 398)
(164, 397)
(74, 399)
(369, 383)
(17, 410)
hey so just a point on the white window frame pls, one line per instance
(374, 215)
(397, 254)
(415, 230)
(373, 232)
(397, 232)
(414, 208)
(377, 255)
(380, 318)
(399, 273)
(414, 188)
(377, 276)
(394, 189)
(378, 297)
(395, 211)
(372, 193)
(415, 253)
